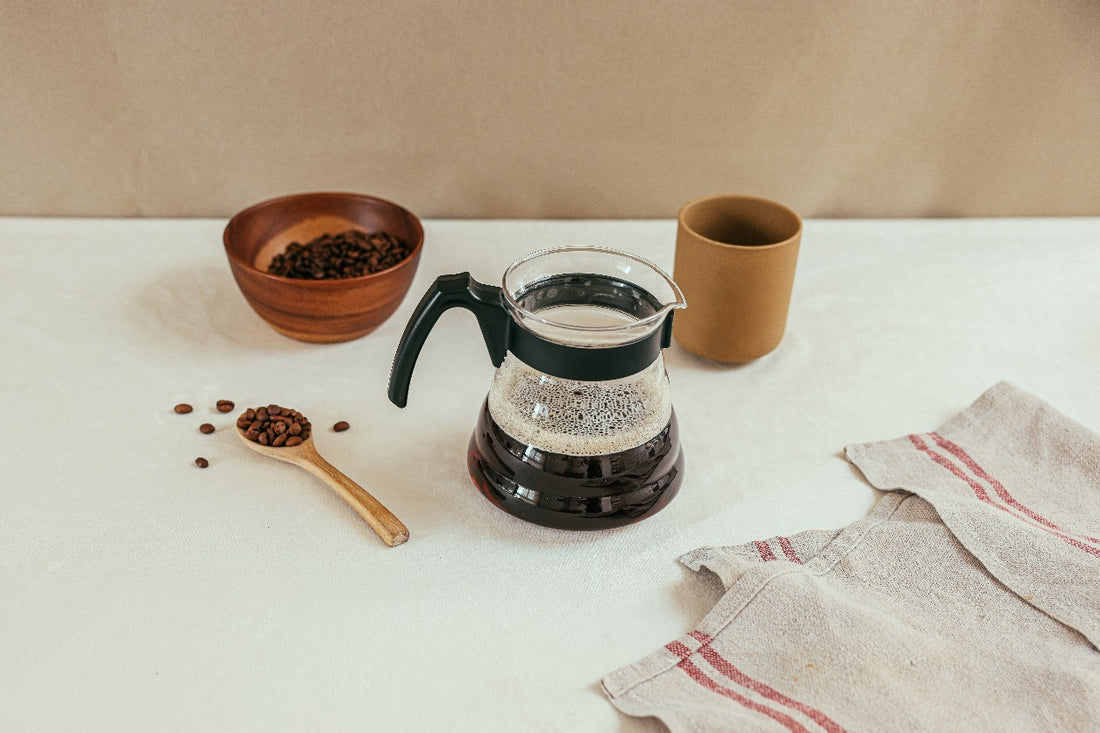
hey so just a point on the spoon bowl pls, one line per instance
(304, 455)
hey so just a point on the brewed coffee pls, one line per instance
(575, 492)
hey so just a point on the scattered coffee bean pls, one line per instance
(201, 462)
(206, 428)
(274, 425)
(352, 253)
(225, 405)
(182, 408)
(341, 426)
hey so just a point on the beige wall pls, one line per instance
(539, 108)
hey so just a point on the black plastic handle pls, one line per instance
(449, 291)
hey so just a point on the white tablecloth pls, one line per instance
(141, 592)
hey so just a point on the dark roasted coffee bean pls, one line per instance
(293, 440)
(201, 462)
(341, 426)
(206, 428)
(225, 405)
(352, 253)
(183, 408)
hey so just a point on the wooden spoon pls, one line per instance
(392, 531)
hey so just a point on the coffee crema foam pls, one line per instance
(580, 418)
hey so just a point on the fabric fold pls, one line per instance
(1018, 484)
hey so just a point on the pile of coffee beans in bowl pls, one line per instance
(352, 253)
(274, 426)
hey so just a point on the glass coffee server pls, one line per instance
(578, 429)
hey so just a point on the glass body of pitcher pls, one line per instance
(578, 429)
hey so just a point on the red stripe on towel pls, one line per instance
(704, 680)
(788, 550)
(983, 495)
(724, 666)
(958, 451)
(979, 492)
(765, 551)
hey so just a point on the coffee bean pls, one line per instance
(293, 440)
(183, 408)
(201, 462)
(206, 428)
(341, 426)
(225, 405)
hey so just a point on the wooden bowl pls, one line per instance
(319, 311)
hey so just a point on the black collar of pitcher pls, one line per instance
(588, 364)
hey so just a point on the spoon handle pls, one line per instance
(391, 529)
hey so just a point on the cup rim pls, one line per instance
(783, 208)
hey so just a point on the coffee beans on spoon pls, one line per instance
(269, 425)
(274, 426)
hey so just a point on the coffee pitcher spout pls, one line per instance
(449, 291)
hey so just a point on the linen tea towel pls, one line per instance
(966, 600)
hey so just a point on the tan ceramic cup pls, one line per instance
(735, 262)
